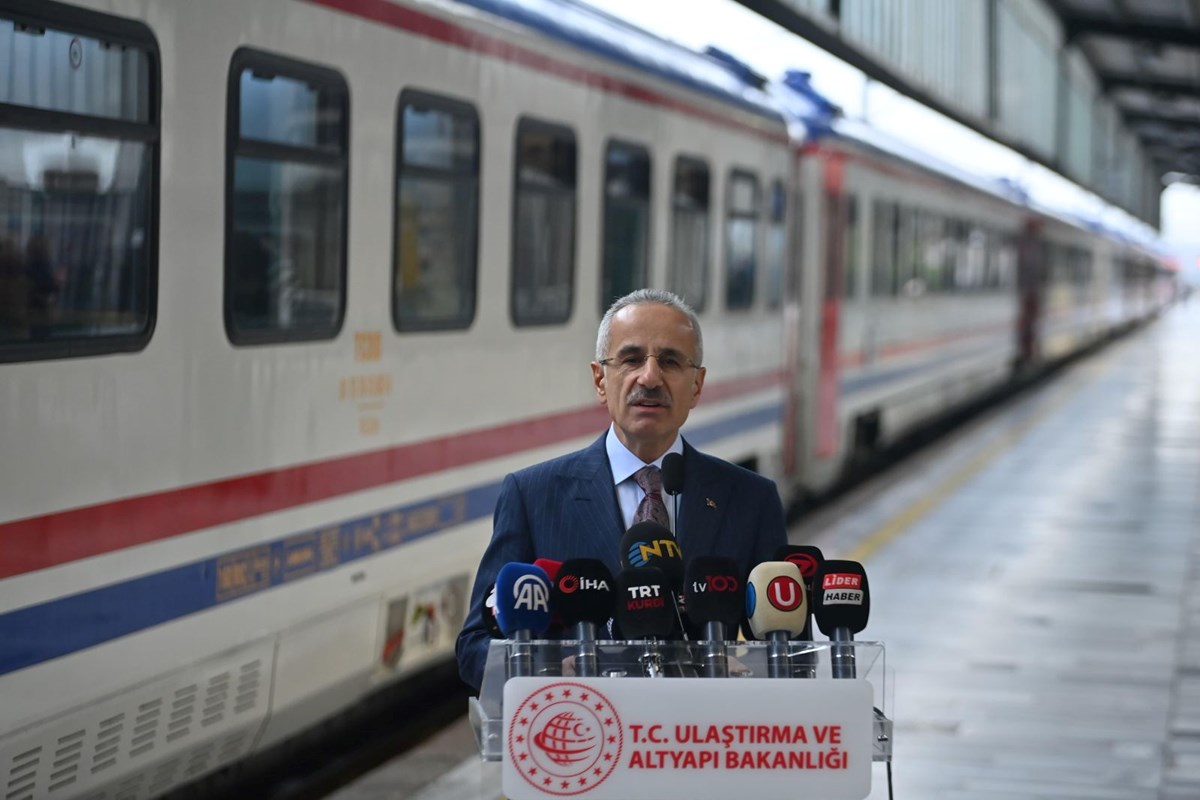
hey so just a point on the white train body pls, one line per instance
(215, 535)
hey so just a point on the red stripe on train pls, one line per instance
(52, 539)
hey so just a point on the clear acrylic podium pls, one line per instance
(679, 661)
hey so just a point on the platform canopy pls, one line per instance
(1105, 92)
(1146, 57)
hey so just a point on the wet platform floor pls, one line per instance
(1036, 581)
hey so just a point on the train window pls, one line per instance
(1083, 266)
(1007, 252)
(955, 276)
(883, 249)
(543, 261)
(991, 264)
(687, 269)
(1058, 266)
(626, 222)
(78, 194)
(971, 274)
(908, 251)
(285, 199)
(850, 248)
(435, 243)
(741, 240)
(776, 249)
(932, 232)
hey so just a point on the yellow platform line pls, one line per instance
(914, 512)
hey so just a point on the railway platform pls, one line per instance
(1036, 582)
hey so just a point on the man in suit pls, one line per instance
(648, 372)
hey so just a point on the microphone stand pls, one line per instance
(806, 661)
(842, 654)
(779, 664)
(716, 665)
(683, 671)
(520, 655)
(586, 660)
(651, 659)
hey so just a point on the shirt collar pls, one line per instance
(624, 463)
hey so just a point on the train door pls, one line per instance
(834, 213)
(793, 325)
(811, 320)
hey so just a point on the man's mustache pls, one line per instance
(644, 395)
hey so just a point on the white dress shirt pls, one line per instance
(624, 465)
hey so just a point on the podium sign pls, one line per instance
(704, 738)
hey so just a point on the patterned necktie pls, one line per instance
(651, 508)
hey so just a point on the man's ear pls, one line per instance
(698, 385)
(598, 382)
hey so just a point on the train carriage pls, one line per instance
(323, 272)
(286, 288)
(924, 287)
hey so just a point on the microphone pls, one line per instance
(522, 611)
(644, 612)
(777, 608)
(809, 559)
(583, 595)
(841, 606)
(648, 544)
(489, 613)
(715, 597)
(672, 480)
(551, 567)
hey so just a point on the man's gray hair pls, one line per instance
(643, 297)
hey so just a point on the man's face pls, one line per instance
(649, 398)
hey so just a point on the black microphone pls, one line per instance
(777, 608)
(583, 596)
(841, 605)
(715, 597)
(809, 559)
(644, 612)
(550, 567)
(648, 544)
(522, 611)
(672, 481)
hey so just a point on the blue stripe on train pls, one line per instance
(66, 625)
(878, 376)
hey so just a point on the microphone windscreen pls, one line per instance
(644, 607)
(841, 596)
(522, 599)
(489, 614)
(584, 591)
(672, 473)
(713, 591)
(549, 566)
(805, 556)
(775, 599)
(648, 544)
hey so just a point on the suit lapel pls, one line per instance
(702, 505)
(595, 504)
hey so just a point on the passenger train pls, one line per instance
(287, 287)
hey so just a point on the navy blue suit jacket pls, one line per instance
(567, 508)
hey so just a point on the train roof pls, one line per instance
(820, 119)
(866, 135)
(594, 31)
(809, 115)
